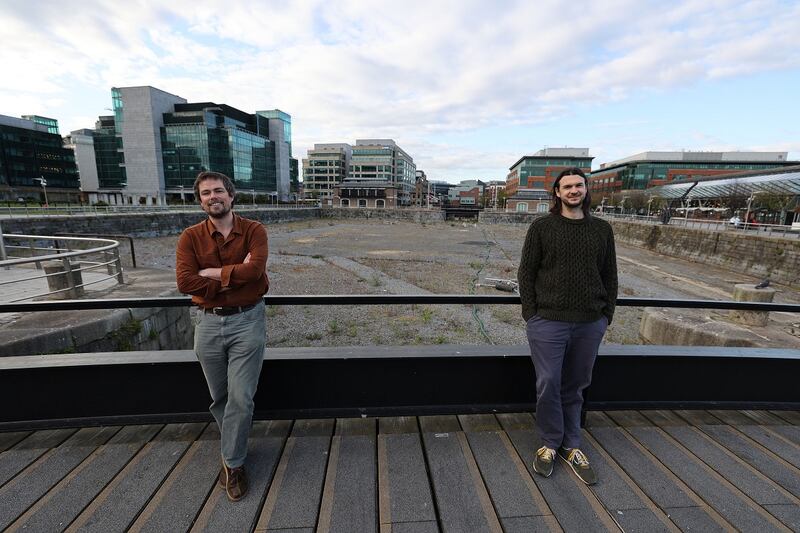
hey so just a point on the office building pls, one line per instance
(468, 193)
(651, 169)
(31, 150)
(325, 168)
(373, 164)
(152, 149)
(531, 178)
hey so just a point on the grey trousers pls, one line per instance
(563, 355)
(231, 351)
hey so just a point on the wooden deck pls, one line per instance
(659, 471)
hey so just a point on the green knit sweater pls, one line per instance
(568, 269)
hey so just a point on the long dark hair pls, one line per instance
(555, 206)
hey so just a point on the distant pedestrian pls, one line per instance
(568, 287)
(222, 262)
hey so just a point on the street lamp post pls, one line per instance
(3, 255)
(603, 205)
(183, 197)
(749, 201)
(44, 188)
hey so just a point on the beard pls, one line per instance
(569, 203)
(218, 213)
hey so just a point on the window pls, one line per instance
(522, 207)
(542, 208)
(380, 204)
(362, 202)
(345, 202)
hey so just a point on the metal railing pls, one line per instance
(28, 250)
(382, 299)
(749, 228)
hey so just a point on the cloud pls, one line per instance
(345, 70)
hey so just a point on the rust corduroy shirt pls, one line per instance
(202, 246)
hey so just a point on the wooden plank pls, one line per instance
(403, 486)
(776, 443)
(121, 501)
(763, 418)
(575, 508)
(356, 426)
(737, 508)
(462, 501)
(515, 421)
(776, 426)
(595, 419)
(313, 428)
(76, 490)
(439, 424)
(687, 510)
(663, 418)
(629, 419)
(349, 496)
(509, 483)
(294, 495)
(475, 423)
(746, 478)
(264, 448)
(397, 425)
(698, 417)
(791, 417)
(732, 418)
(757, 456)
(788, 514)
(40, 476)
(181, 495)
(28, 450)
(409, 527)
(8, 440)
(627, 504)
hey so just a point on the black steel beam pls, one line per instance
(135, 387)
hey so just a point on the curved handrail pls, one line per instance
(49, 257)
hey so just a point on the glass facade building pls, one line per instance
(207, 136)
(652, 169)
(109, 157)
(28, 152)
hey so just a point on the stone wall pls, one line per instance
(144, 224)
(113, 330)
(414, 215)
(759, 256)
(509, 217)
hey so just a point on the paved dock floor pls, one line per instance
(658, 470)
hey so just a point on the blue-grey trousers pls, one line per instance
(231, 351)
(563, 355)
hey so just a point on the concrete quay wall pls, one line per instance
(759, 256)
(113, 330)
(141, 224)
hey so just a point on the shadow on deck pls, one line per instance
(659, 471)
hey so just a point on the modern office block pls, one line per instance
(30, 152)
(651, 169)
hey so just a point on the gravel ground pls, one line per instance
(398, 257)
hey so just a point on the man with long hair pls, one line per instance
(222, 263)
(568, 287)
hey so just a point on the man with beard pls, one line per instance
(568, 288)
(222, 263)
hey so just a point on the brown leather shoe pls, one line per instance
(235, 482)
